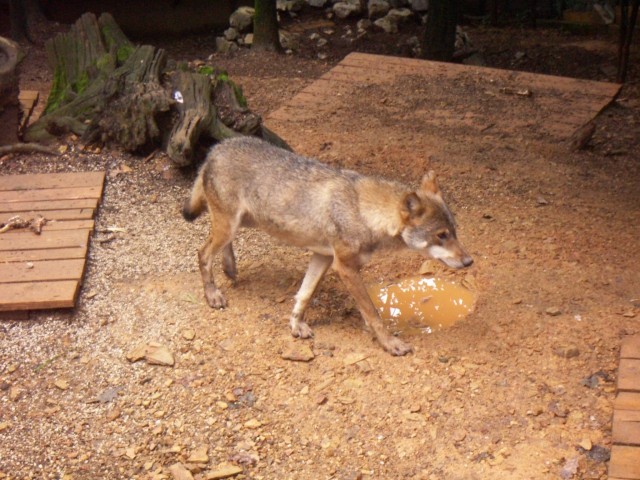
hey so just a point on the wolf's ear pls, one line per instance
(429, 183)
(412, 207)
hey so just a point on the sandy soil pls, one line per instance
(520, 389)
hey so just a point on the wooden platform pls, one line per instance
(625, 453)
(45, 270)
(538, 106)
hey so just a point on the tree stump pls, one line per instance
(106, 89)
(9, 91)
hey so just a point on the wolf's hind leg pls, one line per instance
(229, 262)
(318, 266)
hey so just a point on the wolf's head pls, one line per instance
(429, 226)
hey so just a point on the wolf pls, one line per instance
(341, 216)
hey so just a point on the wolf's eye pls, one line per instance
(443, 235)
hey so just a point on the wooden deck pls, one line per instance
(45, 270)
(555, 106)
(625, 453)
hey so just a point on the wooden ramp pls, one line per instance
(625, 453)
(45, 270)
(540, 107)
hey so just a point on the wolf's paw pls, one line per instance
(214, 297)
(396, 347)
(301, 330)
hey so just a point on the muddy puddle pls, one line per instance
(422, 304)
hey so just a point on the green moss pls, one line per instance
(82, 83)
(206, 70)
(123, 53)
(237, 90)
(58, 91)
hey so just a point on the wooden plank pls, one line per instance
(31, 241)
(38, 181)
(69, 214)
(625, 462)
(40, 195)
(38, 295)
(630, 347)
(627, 401)
(626, 427)
(399, 64)
(43, 254)
(629, 374)
(39, 271)
(46, 206)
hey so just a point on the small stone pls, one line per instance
(223, 471)
(179, 472)
(12, 368)
(321, 399)
(253, 424)
(137, 353)
(61, 384)
(586, 444)
(553, 311)
(629, 314)
(199, 455)
(567, 351)
(222, 405)
(4, 426)
(159, 355)
(298, 352)
(113, 414)
(130, 453)
(15, 393)
(415, 408)
(188, 334)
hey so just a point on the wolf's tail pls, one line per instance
(197, 202)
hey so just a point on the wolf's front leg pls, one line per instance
(318, 266)
(348, 268)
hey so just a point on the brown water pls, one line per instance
(422, 304)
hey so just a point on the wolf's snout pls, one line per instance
(467, 261)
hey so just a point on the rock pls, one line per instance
(199, 455)
(569, 469)
(388, 24)
(248, 39)
(419, 5)
(344, 9)
(179, 472)
(553, 311)
(400, 15)
(253, 424)
(567, 351)
(231, 34)
(298, 352)
(61, 384)
(378, 8)
(4, 426)
(113, 414)
(137, 353)
(364, 24)
(317, 3)
(586, 444)
(15, 393)
(290, 5)
(189, 334)
(159, 355)
(223, 471)
(242, 19)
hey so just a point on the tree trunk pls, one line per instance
(440, 34)
(106, 89)
(266, 34)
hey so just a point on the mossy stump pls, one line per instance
(107, 89)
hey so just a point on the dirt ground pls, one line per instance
(521, 389)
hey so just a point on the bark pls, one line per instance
(440, 34)
(266, 34)
(108, 90)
